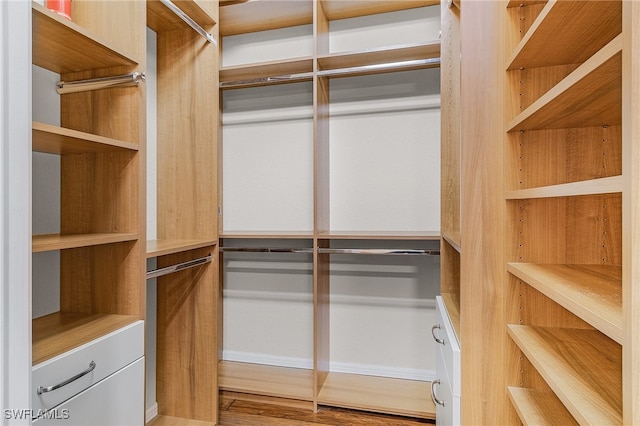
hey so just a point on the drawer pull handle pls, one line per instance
(42, 389)
(433, 393)
(433, 333)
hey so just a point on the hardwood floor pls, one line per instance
(247, 410)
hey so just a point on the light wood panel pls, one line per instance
(57, 333)
(454, 239)
(265, 70)
(322, 318)
(583, 368)
(187, 380)
(342, 9)
(607, 185)
(177, 421)
(380, 235)
(50, 242)
(249, 17)
(592, 292)
(564, 33)
(157, 248)
(63, 46)
(589, 96)
(160, 18)
(284, 382)
(280, 235)
(379, 56)
(58, 140)
(380, 394)
(539, 408)
(452, 302)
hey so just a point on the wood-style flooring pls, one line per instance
(244, 410)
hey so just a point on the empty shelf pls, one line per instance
(340, 9)
(380, 394)
(453, 309)
(50, 242)
(608, 185)
(592, 292)
(285, 71)
(59, 332)
(380, 235)
(58, 140)
(583, 367)
(252, 16)
(62, 46)
(284, 382)
(539, 408)
(157, 248)
(160, 18)
(565, 33)
(590, 96)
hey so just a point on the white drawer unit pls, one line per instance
(117, 400)
(445, 390)
(58, 379)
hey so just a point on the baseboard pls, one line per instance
(151, 413)
(338, 367)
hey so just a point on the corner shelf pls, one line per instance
(589, 96)
(550, 41)
(62, 46)
(578, 365)
(536, 407)
(58, 140)
(60, 332)
(50, 242)
(379, 394)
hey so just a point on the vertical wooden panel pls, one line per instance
(483, 277)
(187, 356)
(321, 294)
(321, 160)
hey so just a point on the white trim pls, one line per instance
(338, 367)
(151, 413)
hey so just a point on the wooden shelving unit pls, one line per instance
(539, 407)
(389, 395)
(187, 229)
(100, 149)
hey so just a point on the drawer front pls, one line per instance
(110, 353)
(117, 400)
(448, 405)
(449, 346)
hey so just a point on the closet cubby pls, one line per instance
(325, 131)
(98, 146)
(186, 211)
(566, 186)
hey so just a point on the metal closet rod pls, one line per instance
(396, 252)
(132, 79)
(330, 73)
(178, 267)
(265, 250)
(187, 19)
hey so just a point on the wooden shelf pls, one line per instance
(380, 56)
(62, 46)
(50, 242)
(379, 394)
(58, 140)
(518, 3)
(253, 16)
(590, 96)
(582, 367)
(256, 74)
(606, 185)
(453, 238)
(340, 9)
(568, 32)
(283, 382)
(157, 248)
(539, 408)
(592, 292)
(177, 421)
(60, 332)
(379, 235)
(267, 235)
(160, 18)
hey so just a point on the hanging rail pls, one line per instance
(187, 19)
(178, 267)
(416, 252)
(265, 250)
(132, 79)
(267, 80)
(380, 67)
